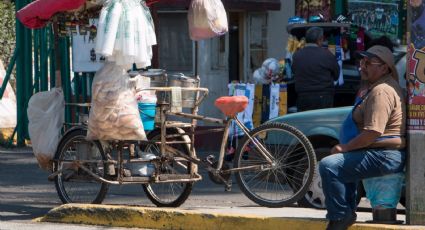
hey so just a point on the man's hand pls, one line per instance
(339, 148)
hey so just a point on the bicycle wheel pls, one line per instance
(73, 184)
(287, 178)
(171, 194)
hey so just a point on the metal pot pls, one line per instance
(158, 79)
(180, 80)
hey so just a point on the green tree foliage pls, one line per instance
(7, 31)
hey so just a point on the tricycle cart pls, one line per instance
(273, 165)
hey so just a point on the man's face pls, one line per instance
(372, 69)
(415, 3)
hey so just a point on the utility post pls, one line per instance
(415, 174)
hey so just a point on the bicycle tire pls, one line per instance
(182, 190)
(74, 185)
(283, 175)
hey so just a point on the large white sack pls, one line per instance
(46, 115)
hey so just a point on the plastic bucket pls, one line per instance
(147, 114)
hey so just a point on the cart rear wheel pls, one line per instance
(171, 194)
(73, 184)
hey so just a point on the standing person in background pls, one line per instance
(315, 70)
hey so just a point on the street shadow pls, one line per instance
(17, 212)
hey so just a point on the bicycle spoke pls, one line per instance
(292, 158)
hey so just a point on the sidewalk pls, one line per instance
(204, 217)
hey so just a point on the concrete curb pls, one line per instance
(166, 218)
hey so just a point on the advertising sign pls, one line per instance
(377, 17)
(416, 68)
(307, 8)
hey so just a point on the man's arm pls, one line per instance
(364, 139)
(332, 64)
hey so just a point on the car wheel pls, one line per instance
(314, 198)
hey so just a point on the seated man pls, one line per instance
(373, 138)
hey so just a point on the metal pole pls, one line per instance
(28, 77)
(36, 61)
(77, 84)
(84, 90)
(20, 73)
(52, 57)
(65, 76)
(415, 170)
(43, 60)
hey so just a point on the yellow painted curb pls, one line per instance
(165, 218)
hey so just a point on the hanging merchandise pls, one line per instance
(360, 39)
(272, 67)
(265, 105)
(260, 76)
(269, 72)
(248, 90)
(114, 114)
(258, 101)
(84, 57)
(207, 19)
(126, 33)
(339, 55)
(274, 101)
(283, 99)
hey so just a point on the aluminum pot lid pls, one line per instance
(153, 72)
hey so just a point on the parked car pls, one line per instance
(322, 127)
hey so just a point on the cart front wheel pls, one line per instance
(285, 179)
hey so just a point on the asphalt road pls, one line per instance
(25, 194)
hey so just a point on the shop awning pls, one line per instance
(37, 14)
(256, 5)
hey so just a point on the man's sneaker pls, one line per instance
(342, 224)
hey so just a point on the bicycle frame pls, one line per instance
(164, 112)
(165, 146)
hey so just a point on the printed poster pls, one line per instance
(305, 9)
(416, 68)
(377, 17)
(84, 57)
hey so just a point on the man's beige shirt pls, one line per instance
(383, 109)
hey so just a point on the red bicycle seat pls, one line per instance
(232, 105)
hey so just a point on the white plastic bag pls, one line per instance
(207, 19)
(126, 33)
(46, 117)
(7, 103)
(114, 114)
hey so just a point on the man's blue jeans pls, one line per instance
(341, 173)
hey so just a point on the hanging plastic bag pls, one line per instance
(114, 114)
(207, 19)
(46, 117)
(385, 191)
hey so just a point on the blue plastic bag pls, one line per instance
(384, 191)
